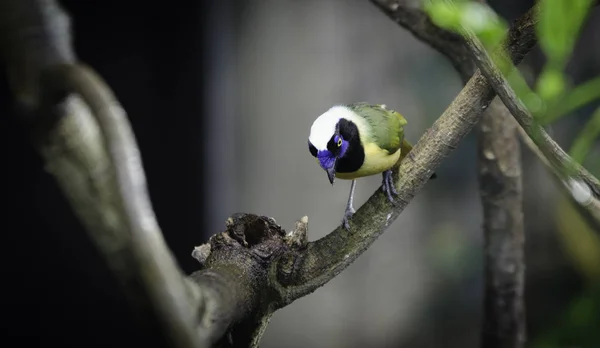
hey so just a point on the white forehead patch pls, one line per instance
(324, 126)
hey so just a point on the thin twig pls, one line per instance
(169, 292)
(423, 28)
(590, 212)
(584, 187)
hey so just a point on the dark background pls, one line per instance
(55, 288)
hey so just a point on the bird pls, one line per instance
(351, 141)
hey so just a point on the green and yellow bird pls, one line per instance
(357, 140)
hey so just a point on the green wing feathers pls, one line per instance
(387, 126)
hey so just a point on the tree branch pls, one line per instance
(298, 267)
(329, 255)
(590, 212)
(88, 146)
(250, 269)
(504, 233)
(589, 207)
(417, 22)
(238, 265)
(501, 192)
(584, 187)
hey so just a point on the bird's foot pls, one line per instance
(387, 185)
(347, 215)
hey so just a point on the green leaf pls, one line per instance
(551, 29)
(550, 84)
(584, 141)
(484, 22)
(529, 98)
(443, 14)
(558, 28)
(580, 96)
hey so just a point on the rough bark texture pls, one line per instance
(500, 189)
(238, 266)
(504, 317)
(306, 267)
(328, 256)
(505, 326)
(249, 270)
(504, 235)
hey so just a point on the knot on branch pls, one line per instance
(238, 264)
(260, 235)
(252, 231)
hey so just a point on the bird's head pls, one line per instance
(334, 141)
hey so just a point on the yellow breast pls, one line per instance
(376, 161)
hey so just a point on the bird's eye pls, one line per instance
(339, 143)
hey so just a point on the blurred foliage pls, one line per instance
(580, 96)
(552, 97)
(577, 327)
(478, 17)
(558, 29)
(584, 141)
(450, 250)
(579, 240)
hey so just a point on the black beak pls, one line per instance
(331, 172)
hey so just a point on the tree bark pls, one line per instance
(500, 185)
(504, 235)
(252, 268)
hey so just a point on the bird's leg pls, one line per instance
(349, 207)
(387, 185)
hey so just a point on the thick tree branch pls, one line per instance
(238, 265)
(88, 146)
(298, 267)
(504, 321)
(329, 255)
(154, 265)
(253, 267)
(501, 193)
(504, 233)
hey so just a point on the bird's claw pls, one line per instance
(387, 185)
(347, 215)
